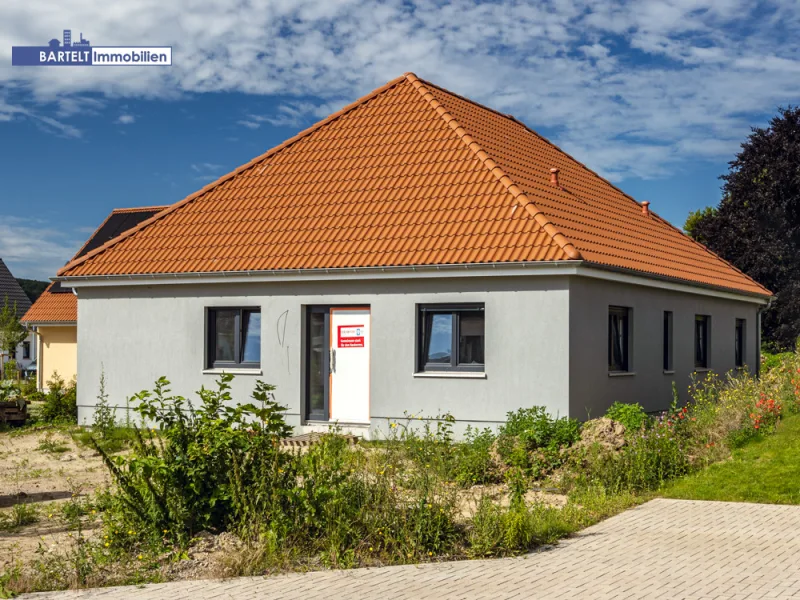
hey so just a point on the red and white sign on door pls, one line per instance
(351, 336)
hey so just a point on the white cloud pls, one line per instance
(33, 250)
(633, 88)
(125, 120)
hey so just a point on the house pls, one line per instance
(414, 252)
(12, 292)
(54, 315)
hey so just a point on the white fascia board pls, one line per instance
(520, 269)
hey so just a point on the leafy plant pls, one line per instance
(631, 415)
(50, 445)
(473, 462)
(533, 440)
(177, 483)
(60, 403)
(18, 516)
(104, 422)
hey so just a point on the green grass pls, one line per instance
(766, 470)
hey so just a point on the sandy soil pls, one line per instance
(31, 475)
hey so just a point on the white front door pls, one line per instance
(349, 364)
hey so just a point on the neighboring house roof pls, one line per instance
(11, 289)
(57, 304)
(409, 175)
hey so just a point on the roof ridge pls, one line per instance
(193, 196)
(118, 211)
(559, 238)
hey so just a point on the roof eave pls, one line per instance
(558, 267)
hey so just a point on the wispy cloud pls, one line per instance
(290, 114)
(206, 171)
(34, 250)
(125, 120)
(634, 88)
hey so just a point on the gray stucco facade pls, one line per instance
(545, 342)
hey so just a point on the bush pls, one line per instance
(632, 416)
(647, 460)
(177, 483)
(533, 440)
(60, 402)
(473, 462)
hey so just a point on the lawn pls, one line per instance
(766, 470)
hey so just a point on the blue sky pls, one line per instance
(655, 95)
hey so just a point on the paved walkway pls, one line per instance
(663, 549)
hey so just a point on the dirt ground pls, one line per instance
(42, 479)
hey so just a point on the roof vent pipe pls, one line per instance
(554, 177)
(645, 208)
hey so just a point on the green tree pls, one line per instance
(12, 332)
(756, 226)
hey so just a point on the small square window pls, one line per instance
(451, 338)
(739, 341)
(234, 338)
(702, 331)
(618, 339)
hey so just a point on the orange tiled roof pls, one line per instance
(59, 305)
(52, 307)
(411, 174)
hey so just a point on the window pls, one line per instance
(739, 342)
(701, 332)
(451, 338)
(667, 345)
(234, 338)
(26, 350)
(618, 338)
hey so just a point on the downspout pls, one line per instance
(761, 309)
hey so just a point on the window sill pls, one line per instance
(701, 369)
(669, 372)
(450, 375)
(233, 371)
(621, 373)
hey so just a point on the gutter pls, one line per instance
(562, 267)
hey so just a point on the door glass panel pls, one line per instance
(317, 371)
(470, 339)
(225, 339)
(251, 332)
(440, 341)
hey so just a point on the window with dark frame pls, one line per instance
(701, 335)
(234, 338)
(451, 338)
(739, 342)
(618, 339)
(667, 344)
(26, 350)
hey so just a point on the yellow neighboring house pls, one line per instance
(54, 315)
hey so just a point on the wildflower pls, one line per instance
(130, 532)
(50, 516)
(430, 553)
(370, 548)
(393, 425)
(140, 557)
(165, 531)
(107, 544)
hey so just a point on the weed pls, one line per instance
(632, 416)
(52, 446)
(19, 516)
